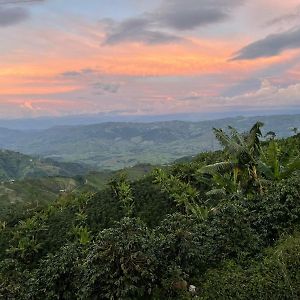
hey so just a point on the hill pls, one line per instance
(118, 145)
(36, 193)
(17, 166)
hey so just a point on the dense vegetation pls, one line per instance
(118, 145)
(17, 196)
(222, 226)
(16, 166)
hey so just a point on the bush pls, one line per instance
(119, 264)
(276, 212)
(277, 276)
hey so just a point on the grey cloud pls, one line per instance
(286, 18)
(245, 86)
(271, 45)
(12, 15)
(266, 96)
(107, 87)
(173, 15)
(188, 15)
(71, 74)
(137, 30)
(254, 82)
(88, 71)
(82, 72)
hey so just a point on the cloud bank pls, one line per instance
(158, 27)
(137, 30)
(12, 15)
(191, 14)
(271, 45)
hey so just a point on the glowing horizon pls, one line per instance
(142, 58)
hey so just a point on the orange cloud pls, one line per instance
(15, 90)
(40, 74)
(196, 57)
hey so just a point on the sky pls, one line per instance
(141, 57)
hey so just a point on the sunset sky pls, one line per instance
(137, 57)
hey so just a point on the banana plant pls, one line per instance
(274, 169)
(243, 151)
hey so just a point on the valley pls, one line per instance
(118, 145)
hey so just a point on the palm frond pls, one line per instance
(237, 137)
(291, 168)
(230, 144)
(265, 170)
(252, 138)
(203, 178)
(200, 212)
(220, 167)
(216, 192)
(222, 137)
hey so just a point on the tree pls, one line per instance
(271, 166)
(243, 152)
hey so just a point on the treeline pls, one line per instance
(223, 226)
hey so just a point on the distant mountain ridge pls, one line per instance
(118, 145)
(47, 122)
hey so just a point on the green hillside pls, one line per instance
(118, 145)
(16, 166)
(99, 180)
(32, 193)
(224, 225)
(36, 193)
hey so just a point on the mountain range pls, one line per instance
(40, 123)
(116, 145)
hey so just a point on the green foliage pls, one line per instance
(82, 233)
(244, 152)
(24, 243)
(223, 231)
(183, 193)
(273, 168)
(56, 275)
(278, 211)
(122, 190)
(276, 276)
(119, 264)
(12, 279)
